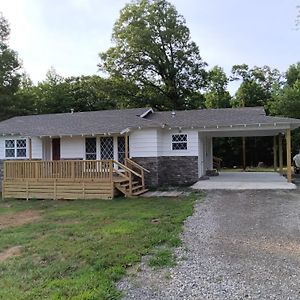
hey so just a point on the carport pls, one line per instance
(257, 125)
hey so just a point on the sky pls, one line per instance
(69, 34)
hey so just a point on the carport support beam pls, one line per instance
(244, 152)
(280, 155)
(288, 155)
(275, 147)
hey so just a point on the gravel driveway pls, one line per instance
(237, 245)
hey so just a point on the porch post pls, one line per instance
(126, 146)
(288, 155)
(244, 152)
(275, 152)
(30, 148)
(280, 155)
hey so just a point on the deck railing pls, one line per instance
(62, 169)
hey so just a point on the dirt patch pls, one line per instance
(11, 252)
(19, 218)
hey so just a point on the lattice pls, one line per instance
(21, 152)
(179, 142)
(9, 152)
(121, 149)
(179, 138)
(107, 148)
(21, 143)
(9, 144)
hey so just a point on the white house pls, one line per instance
(175, 146)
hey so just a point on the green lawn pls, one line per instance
(79, 249)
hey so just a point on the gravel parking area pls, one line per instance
(237, 245)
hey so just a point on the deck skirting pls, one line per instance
(58, 189)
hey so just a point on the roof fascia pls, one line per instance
(143, 115)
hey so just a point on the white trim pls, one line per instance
(179, 142)
(15, 148)
(146, 113)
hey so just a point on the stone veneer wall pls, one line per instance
(151, 164)
(169, 170)
(1, 173)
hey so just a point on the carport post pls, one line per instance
(280, 155)
(288, 155)
(275, 152)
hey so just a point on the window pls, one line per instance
(16, 148)
(90, 149)
(179, 141)
(107, 148)
(121, 149)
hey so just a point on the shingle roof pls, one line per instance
(80, 123)
(219, 117)
(115, 121)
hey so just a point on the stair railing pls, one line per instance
(132, 164)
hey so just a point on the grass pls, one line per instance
(78, 250)
(162, 258)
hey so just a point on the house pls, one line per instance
(125, 150)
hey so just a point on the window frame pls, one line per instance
(179, 142)
(15, 148)
(90, 153)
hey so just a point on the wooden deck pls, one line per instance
(72, 179)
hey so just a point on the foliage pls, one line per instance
(9, 75)
(79, 249)
(216, 95)
(286, 100)
(57, 94)
(257, 85)
(153, 49)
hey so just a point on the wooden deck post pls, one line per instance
(288, 155)
(280, 154)
(126, 146)
(30, 148)
(275, 148)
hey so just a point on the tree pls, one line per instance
(286, 100)
(153, 50)
(217, 95)
(257, 85)
(9, 75)
(292, 74)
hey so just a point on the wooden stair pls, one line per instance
(129, 178)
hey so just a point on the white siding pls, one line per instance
(143, 143)
(36, 147)
(158, 142)
(165, 143)
(201, 158)
(209, 153)
(72, 147)
(2, 147)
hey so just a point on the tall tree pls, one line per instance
(257, 85)
(9, 75)
(153, 49)
(286, 100)
(216, 95)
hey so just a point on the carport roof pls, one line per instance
(224, 117)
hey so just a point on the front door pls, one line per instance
(55, 149)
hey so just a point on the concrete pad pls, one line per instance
(162, 194)
(245, 181)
